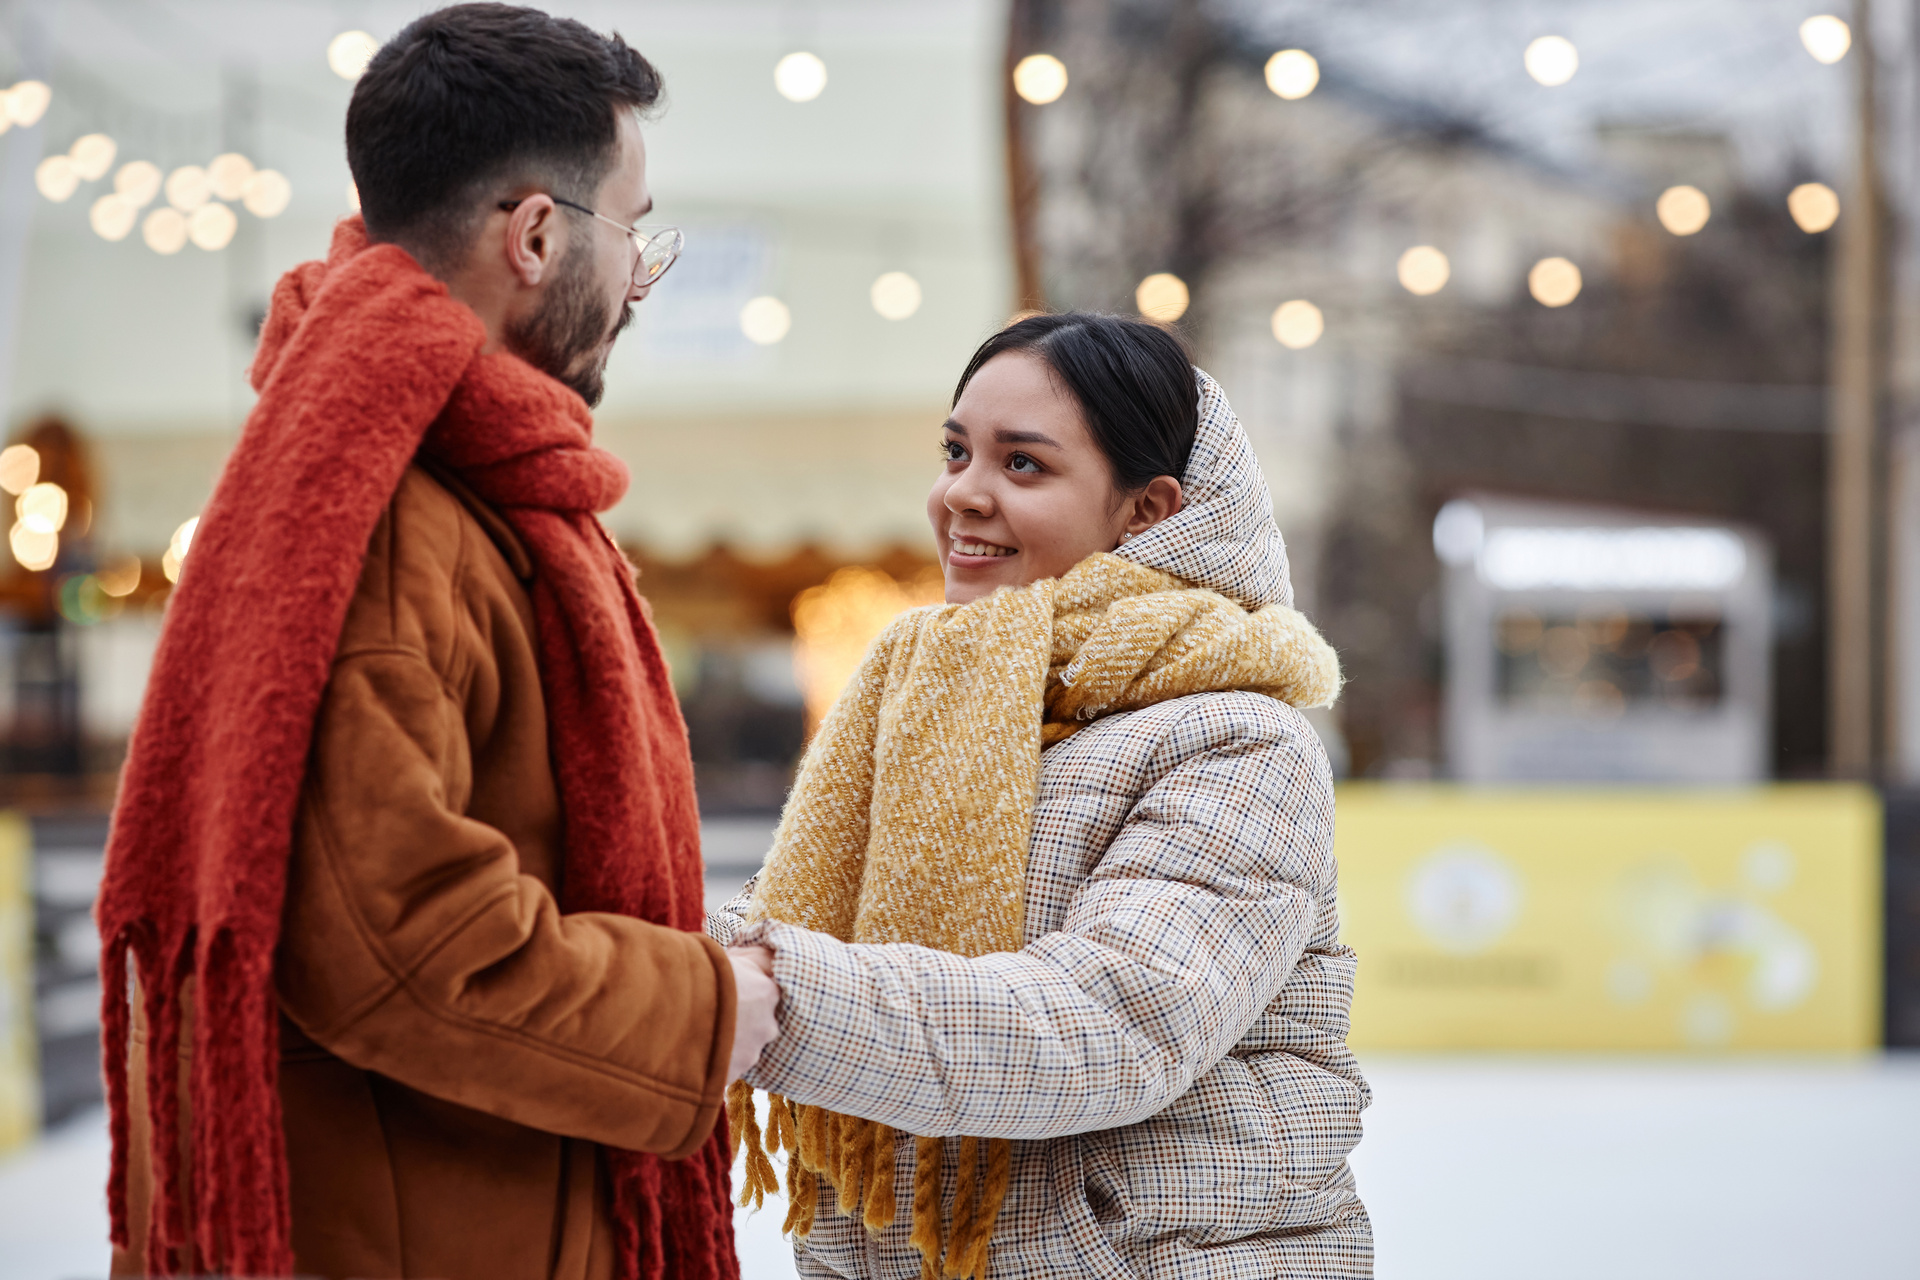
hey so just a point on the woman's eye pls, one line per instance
(1022, 463)
(952, 451)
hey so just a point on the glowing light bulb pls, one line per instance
(1293, 73)
(211, 226)
(1162, 296)
(1424, 270)
(1826, 37)
(137, 183)
(1552, 60)
(765, 320)
(800, 77)
(92, 155)
(1814, 207)
(56, 179)
(1040, 78)
(266, 194)
(1298, 324)
(895, 295)
(1683, 210)
(1554, 282)
(228, 175)
(112, 217)
(165, 230)
(349, 53)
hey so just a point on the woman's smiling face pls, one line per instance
(1026, 492)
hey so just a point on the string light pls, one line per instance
(56, 179)
(1040, 78)
(1298, 324)
(1293, 73)
(349, 53)
(800, 77)
(895, 295)
(1814, 207)
(1826, 37)
(1554, 282)
(1424, 270)
(1683, 210)
(27, 101)
(137, 183)
(19, 468)
(112, 217)
(227, 175)
(165, 230)
(765, 320)
(266, 194)
(92, 155)
(188, 188)
(1162, 296)
(1552, 60)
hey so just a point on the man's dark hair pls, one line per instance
(482, 96)
(1133, 380)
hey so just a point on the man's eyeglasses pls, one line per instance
(657, 246)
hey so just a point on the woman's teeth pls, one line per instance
(980, 549)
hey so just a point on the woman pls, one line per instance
(1052, 903)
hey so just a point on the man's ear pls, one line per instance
(533, 232)
(1160, 499)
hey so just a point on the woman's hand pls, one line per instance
(756, 1010)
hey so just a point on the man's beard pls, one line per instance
(565, 337)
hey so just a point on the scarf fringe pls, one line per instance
(855, 1158)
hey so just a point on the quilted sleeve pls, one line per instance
(1184, 932)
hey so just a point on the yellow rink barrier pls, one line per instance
(1600, 920)
(19, 1060)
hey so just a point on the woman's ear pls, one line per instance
(1160, 499)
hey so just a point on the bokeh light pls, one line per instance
(1554, 282)
(800, 77)
(1552, 60)
(349, 53)
(35, 549)
(895, 295)
(228, 175)
(1040, 78)
(165, 230)
(42, 508)
(56, 178)
(1814, 207)
(1162, 296)
(137, 183)
(1826, 37)
(1298, 324)
(211, 226)
(835, 622)
(120, 577)
(19, 468)
(112, 217)
(27, 101)
(1293, 73)
(1424, 270)
(266, 194)
(765, 320)
(92, 155)
(188, 188)
(1683, 210)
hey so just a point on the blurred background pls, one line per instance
(1580, 343)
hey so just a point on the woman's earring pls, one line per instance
(1125, 534)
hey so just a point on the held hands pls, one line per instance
(757, 1004)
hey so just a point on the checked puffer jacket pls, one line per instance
(1168, 1049)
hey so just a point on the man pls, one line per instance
(404, 880)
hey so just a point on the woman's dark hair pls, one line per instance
(1133, 381)
(482, 95)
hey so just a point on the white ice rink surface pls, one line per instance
(1473, 1167)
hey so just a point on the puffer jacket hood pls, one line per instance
(1224, 537)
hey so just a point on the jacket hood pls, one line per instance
(1224, 537)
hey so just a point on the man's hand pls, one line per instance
(757, 1002)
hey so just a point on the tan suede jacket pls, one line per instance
(455, 1049)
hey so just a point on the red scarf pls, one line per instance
(365, 361)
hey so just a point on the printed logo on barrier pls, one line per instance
(1464, 897)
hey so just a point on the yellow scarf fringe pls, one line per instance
(912, 813)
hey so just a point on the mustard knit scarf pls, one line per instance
(911, 815)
